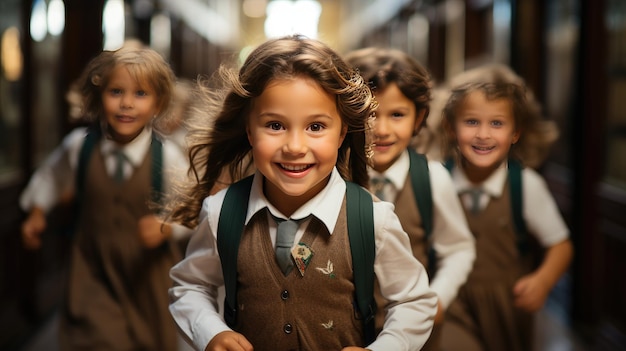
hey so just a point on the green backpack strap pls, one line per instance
(91, 139)
(420, 181)
(515, 187)
(514, 170)
(156, 172)
(360, 218)
(94, 134)
(229, 230)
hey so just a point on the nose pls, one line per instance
(127, 101)
(381, 127)
(483, 132)
(295, 142)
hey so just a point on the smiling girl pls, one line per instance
(301, 115)
(494, 309)
(121, 251)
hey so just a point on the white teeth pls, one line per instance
(294, 167)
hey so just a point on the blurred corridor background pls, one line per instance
(571, 53)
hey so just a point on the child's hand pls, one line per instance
(152, 231)
(440, 313)
(530, 293)
(229, 341)
(32, 228)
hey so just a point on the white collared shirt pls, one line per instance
(57, 174)
(452, 238)
(401, 277)
(541, 214)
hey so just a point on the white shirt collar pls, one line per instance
(397, 173)
(135, 151)
(325, 205)
(493, 185)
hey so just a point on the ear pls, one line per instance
(342, 136)
(419, 120)
(516, 136)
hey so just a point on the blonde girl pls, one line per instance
(485, 122)
(121, 250)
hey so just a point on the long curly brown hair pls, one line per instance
(219, 151)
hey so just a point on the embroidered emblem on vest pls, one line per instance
(302, 255)
(328, 270)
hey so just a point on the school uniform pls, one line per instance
(483, 316)
(116, 296)
(312, 310)
(450, 238)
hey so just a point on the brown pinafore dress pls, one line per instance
(117, 294)
(314, 311)
(483, 316)
(407, 211)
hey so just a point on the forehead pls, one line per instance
(129, 74)
(478, 100)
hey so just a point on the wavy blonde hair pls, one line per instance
(145, 65)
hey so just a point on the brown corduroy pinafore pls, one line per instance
(483, 316)
(407, 211)
(117, 294)
(295, 312)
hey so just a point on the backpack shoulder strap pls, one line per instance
(420, 180)
(229, 230)
(360, 218)
(91, 139)
(156, 150)
(515, 187)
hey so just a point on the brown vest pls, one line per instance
(497, 255)
(117, 294)
(407, 211)
(311, 312)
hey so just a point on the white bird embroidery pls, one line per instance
(328, 270)
(328, 325)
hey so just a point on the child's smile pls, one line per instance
(485, 131)
(295, 132)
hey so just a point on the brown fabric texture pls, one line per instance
(117, 296)
(407, 211)
(483, 316)
(294, 312)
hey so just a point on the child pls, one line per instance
(484, 122)
(536, 141)
(300, 114)
(121, 251)
(401, 86)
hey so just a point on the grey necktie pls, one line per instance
(378, 185)
(285, 235)
(120, 158)
(475, 194)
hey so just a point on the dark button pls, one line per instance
(287, 328)
(284, 295)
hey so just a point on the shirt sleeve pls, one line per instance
(452, 239)
(542, 215)
(194, 296)
(175, 172)
(56, 175)
(404, 283)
